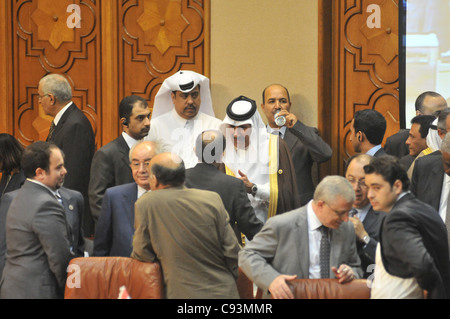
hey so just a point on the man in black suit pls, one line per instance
(111, 165)
(367, 132)
(427, 103)
(365, 219)
(209, 148)
(304, 143)
(72, 132)
(412, 255)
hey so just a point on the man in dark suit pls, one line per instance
(37, 233)
(366, 221)
(209, 148)
(72, 132)
(314, 241)
(428, 176)
(427, 103)
(367, 132)
(413, 253)
(110, 165)
(304, 143)
(115, 227)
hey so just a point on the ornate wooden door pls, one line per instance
(107, 49)
(365, 68)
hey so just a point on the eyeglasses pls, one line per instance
(40, 97)
(361, 183)
(138, 164)
(338, 213)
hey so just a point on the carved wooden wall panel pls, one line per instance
(43, 43)
(365, 67)
(158, 38)
(120, 48)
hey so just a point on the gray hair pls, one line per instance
(333, 186)
(57, 85)
(445, 146)
(156, 147)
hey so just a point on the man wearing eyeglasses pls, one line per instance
(110, 165)
(115, 227)
(366, 221)
(72, 132)
(314, 241)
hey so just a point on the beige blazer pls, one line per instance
(188, 232)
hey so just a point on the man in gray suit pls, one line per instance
(292, 245)
(37, 240)
(111, 165)
(187, 230)
(304, 143)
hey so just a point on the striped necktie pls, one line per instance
(50, 133)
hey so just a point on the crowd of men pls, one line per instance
(204, 197)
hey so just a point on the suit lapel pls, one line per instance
(130, 196)
(303, 238)
(63, 119)
(290, 139)
(124, 149)
(336, 247)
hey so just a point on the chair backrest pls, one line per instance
(102, 278)
(244, 286)
(329, 289)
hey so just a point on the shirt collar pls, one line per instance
(129, 140)
(271, 130)
(141, 191)
(61, 112)
(373, 150)
(55, 193)
(313, 222)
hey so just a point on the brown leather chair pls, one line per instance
(329, 289)
(244, 286)
(102, 278)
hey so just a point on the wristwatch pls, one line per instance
(254, 189)
(366, 239)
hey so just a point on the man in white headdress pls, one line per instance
(260, 159)
(182, 110)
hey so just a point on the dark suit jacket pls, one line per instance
(232, 191)
(75, 137)
(115, 227)
(306, 147)
(395, 144)
(380, 152)
(16, 182)
(110, 167)
(427, 179)
(414, 243)
(372, 224)
(74, 208)
(38, 246)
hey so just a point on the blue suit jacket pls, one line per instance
(115, 228)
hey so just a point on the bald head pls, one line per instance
(209, 146)
(166, 170)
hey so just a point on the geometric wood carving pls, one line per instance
(121, 48)
(366, 66)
